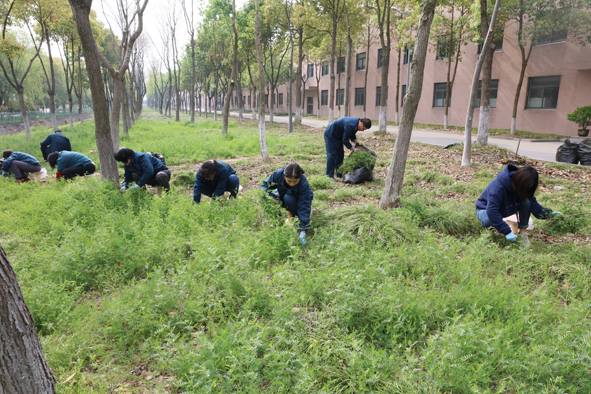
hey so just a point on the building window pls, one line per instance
(360, 61)
(380, 55)
(280, 98)
(497, 40)
(543, 92)
(555, 29)
(403, 95)
(359, 96)
(325, 68)
(310, 70)
(443, 47)
(249, 100)
(243, 99)
(494, 88)
(266, 100)
(341, 65)
(378, 96)
(273, 98)
(407, 54)
(324, 97)
(340, 96)
(439, 95)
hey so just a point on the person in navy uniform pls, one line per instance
(143, 169)
(55, 142)
(338, 133)
(511, 192)
(19, 165)
(294, 193)
(70, 164)
(213, 179)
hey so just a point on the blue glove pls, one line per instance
(5, 174)
(133, 187)
(511, 237)
(123, 188)
(556, 213)
(302, 238)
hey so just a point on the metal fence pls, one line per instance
(17, 117)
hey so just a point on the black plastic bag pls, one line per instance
(360, 175)
(585, 154)
(568, 153)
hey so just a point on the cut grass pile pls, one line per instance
(143, 294)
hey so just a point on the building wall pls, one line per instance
(569, 60)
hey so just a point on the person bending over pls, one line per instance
(512, 192)
(70, 164)
(143, 169)
(19, 165)
(337, 134)
(213, 179)
(294, 193)
(55, 142)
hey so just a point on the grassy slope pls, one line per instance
(139, 294)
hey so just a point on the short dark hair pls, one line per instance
(123, 154)
(293, 170)
(208, 168)
(52, 159)
(366, 122)
(525, 182)
(6, 154)
(58, 131)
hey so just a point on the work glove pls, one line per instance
(511, 237)
(59, 175)
(302, 238)
(123, 188)
(556, 213)
(5, 174)
(133, 187)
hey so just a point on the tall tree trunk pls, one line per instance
(116, 111)
(240, 99)
(386, 48)
(80, 118)
(298, 113)
(484, 115)
(21, 102)
(333, 48)
(261, 101)
(23, 368)
(467, 155)
(393, 188)
(71, 109)
(348, 65)
(51, 83)
(233, 75)
(125, 109)
(366, 68)
(449, 61)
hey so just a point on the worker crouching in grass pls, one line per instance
(143, 169)
(19, 164)
(511, 193)
(213, 179)
(70, 164)
(294, 193)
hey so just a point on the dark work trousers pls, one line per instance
(335, 154)
(160, 179)
(21, 170)
(71, 172)
(231, 186)
(44, 152)
(522, 215)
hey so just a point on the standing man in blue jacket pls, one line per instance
(338, 133)
(19, 164)
(143, 169)
(55, 142)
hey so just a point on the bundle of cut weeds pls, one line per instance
(357, 159)
(365, 222)
(563, 224)
(456, 222)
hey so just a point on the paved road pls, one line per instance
(545, 150)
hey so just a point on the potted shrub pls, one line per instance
(581, 116)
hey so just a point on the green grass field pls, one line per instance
(138, 294)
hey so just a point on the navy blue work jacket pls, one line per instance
(145, 165)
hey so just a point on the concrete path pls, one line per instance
(534, 149)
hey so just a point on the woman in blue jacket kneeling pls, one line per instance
(294, 193)
(71, 164)
(213, 179)
(512, 192)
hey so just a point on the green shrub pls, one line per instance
(581, 116)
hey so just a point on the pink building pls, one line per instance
(557, 81)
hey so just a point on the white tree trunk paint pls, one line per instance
(263, 139)
(445, 124)
(382, 122)
(298, 114)
(330, 115)
(513, 126)
(483, 126)
(396, 118)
